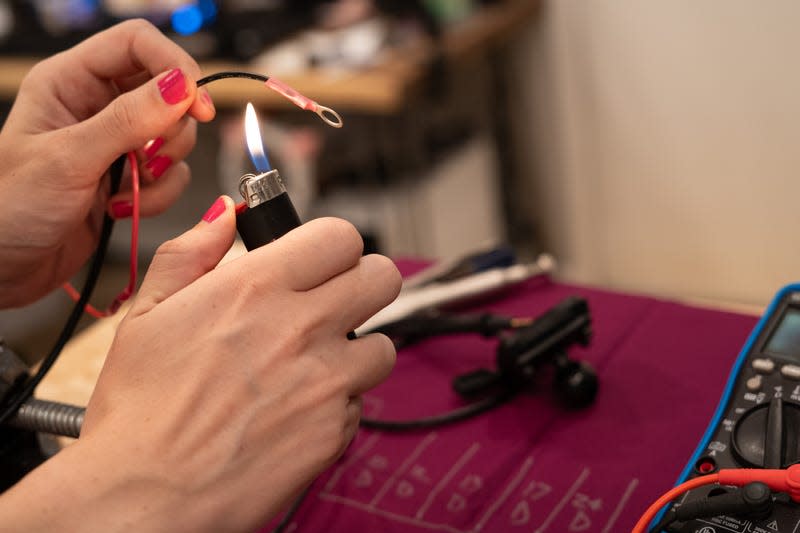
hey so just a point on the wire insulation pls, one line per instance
(456, 415)
(128, 291)
(231, 74)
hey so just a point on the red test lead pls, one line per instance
(787, 481)
(779, 480)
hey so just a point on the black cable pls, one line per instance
(668, 519)
(11, 406)
(420, 326)
(456, 415)
(231, 74)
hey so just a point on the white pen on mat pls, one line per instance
(439, 294)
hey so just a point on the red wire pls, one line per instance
(780, 480)
(128, 291)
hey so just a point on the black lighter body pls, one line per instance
(269, 213)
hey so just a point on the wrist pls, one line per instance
(91, 488)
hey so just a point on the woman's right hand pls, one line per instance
(227, 390)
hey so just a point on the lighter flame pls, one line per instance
(254, 143)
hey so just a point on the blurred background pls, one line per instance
(651, 147)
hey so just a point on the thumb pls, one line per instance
(183, 260)
(135, 117)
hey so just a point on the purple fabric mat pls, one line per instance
(532, 466)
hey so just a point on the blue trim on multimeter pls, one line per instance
(732, 378)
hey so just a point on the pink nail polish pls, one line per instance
(158, 165)
(216, 209)
(152, 147)
(173, 87)
(122, 209)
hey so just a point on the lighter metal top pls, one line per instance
(257, 189)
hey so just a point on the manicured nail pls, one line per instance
(207, 99)
(216, 209)
(173, 87)
(152, 147)
(122, 209)
(158, 165)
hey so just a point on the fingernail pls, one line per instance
(216, 209)
(158, 165)
(207, 99)
(121, 209)
(152, 146)
(173, 87)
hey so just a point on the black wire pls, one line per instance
(666, 520)
(231, 74)
(12, 405)
(456, 415)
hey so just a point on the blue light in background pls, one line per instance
(209, 10)
(187, 19)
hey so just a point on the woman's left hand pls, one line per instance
(126, 89)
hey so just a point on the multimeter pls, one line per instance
(757, 421)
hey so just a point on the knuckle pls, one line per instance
(40, 71)
(387, 353)
(119, 120)
(342, 441)
(387, 273)
(249, 287)
(173, 247)
(321, 372)
(139, 25)
(344, 235)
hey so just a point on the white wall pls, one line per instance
(666, 143)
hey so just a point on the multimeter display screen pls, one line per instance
(785, 340)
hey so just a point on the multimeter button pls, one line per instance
(754, 384)
(764, 366)
(791, 372)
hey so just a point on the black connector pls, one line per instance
(433, 323)
(752, 501)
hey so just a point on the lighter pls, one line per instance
(267, 212)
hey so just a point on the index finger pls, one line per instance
(130, 48)
(312, 254)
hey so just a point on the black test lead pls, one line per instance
(268, 213)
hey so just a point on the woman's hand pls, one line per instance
(226, 390)
(128, 88)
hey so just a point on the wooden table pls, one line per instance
(381, 89)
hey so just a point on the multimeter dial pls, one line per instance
(766, 436)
